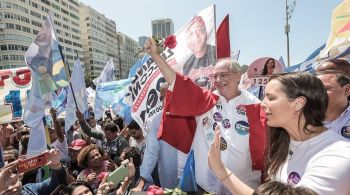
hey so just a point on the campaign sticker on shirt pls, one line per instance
(293, 178)
(226, 123)
(345, 132)
(241, 110)
(214, 125)
(242, 127)
(223, 144)
(217, 117)
(218, 106)
(207, 122)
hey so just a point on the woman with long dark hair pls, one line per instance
(300, 151)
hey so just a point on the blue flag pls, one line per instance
(188, 180)
(59, 100)
(138, 65)
(309, 64)
(109, 93)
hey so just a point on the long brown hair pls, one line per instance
(295, 85)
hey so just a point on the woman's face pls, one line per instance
(270, 66)
(94, 158)
(82, 190)
(278, 108)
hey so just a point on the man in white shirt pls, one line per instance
(57, 138)
(228, 112)
(335, 76)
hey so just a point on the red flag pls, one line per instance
(257, 140)
(178, 123)
(223, 39)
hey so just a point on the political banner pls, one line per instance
(14, 87)
(192, 53)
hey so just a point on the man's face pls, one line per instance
(337, 95)
(136, 133)
(110, 136)
(225, 81)
(92, 122)
(52, 134)
(196, 37)
(74, 154)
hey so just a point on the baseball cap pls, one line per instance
(77, 144)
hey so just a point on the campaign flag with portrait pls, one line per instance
(44, 58)
(191, 51)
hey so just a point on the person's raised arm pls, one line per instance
(87, 129)
(152, 49)
(56, 125)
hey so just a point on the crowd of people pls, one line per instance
(307, 139)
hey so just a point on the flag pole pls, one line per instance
(70, 83)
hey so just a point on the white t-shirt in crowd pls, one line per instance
(62, 147)
(321, 163)
(341, 125)
(232, 119)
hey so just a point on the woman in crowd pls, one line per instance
(91, 159)
(301, 151)
(83, 188)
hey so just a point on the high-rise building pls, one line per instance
(127, 52)
(21, 20)
(99, 36)
(162, 28)
(142, 41)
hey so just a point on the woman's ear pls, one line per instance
(299, 103)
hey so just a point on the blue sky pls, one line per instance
(256, 26)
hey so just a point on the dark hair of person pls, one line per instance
(277, 188)
(264, 71)
(68, 190)
(342, 78)
(295, 85)
(133, 125)
(135, 154)
(112, 127)
(84, 153)
(341, 65)
(120, 122)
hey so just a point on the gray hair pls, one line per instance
(235, 67)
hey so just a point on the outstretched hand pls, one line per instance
(214, 156)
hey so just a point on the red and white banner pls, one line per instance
(14, 86)
(194, 55)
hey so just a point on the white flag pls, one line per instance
(107, 74)
(78, 85)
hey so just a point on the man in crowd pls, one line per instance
(159, 153)
(211, 110)
(57, 138)
(335, 76)
(112, 143)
